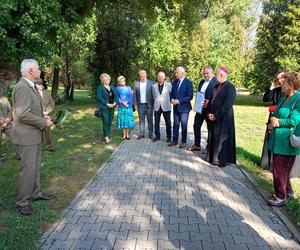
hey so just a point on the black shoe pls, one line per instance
(127, 138)
(172, 144)
(155, 139)
(169, 140)
(150, 137)
(27, 210)
(222, 165)
(140, 137)
(44, 198)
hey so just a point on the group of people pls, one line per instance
(31, 105)
(27, 123)
(155, 99)
(278, 154)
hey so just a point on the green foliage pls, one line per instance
(278, 44)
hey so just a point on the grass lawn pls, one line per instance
(80, 152)
(250, 117)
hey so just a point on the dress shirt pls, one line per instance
(205, 85)
(41, 93)
(180, 82)
(160, 88)
(143, 89)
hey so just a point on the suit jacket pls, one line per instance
(210, 87)
(149, 94)
(103, 97)
(184, 94)
(48, 102)
(162, 99)
(28, 120)
(5, 109)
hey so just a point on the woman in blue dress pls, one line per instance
(125, 112)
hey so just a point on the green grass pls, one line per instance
(251, 115)
(80, 153)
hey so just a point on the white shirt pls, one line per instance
(205, 85)
(143, 89)
(180, 81)
(41, 93)
(30, 82)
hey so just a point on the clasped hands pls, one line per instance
(211, 117)
(175, 101)
(111, 105)
(125, 104)
(274, 123)
(7, 121)
(49, 121)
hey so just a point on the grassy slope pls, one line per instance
(250, 117)
(79, 154)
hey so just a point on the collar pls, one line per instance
(29, 81)
(181, 80)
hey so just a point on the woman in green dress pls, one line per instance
(284, 121)
(107, 98)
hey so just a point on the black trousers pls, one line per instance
(167, 117)
(198, 121)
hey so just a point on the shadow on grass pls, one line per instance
(250, 156)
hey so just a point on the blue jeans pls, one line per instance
(180, 118)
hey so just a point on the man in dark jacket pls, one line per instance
(205, 88)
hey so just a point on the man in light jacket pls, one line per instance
(162, 105)
(28, 125)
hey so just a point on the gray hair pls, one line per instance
(208, 67)
(142, 71)
(181, 69)
(222, 73)
(26, 65)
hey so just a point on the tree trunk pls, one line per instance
(55, 82)
(69, 85)
(72, 93)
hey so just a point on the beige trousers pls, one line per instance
(29, 179)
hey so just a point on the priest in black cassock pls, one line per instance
(221, 145)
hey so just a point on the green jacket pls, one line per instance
(103, 98)
(279, 140)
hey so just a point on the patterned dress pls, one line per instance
(125, 114)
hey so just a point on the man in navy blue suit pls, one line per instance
(205, 87)
(181, 96)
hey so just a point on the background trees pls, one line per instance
(75, 41)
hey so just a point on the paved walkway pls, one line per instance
(154, 197)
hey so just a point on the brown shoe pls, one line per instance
(204, 151)
(27, 210)
(182, 145)
(172, 144)
(194, 148)
(44, 198)
(140, 137)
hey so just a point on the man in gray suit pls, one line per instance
(143, 102)
(28, 125)
(162, 105)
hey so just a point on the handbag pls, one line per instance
(98, 113)
(295, 172)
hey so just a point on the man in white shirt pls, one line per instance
(143, 103)
(205, 87)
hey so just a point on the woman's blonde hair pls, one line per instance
(105, 75)
(121, 78)
(292, 78)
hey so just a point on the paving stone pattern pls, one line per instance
(154, 197)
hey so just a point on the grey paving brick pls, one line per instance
(163, 235)
(146, 244)
(154, 197)
(102, 244)
(200, 237)
(125, 244)
(168, 245)
(213, 246)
